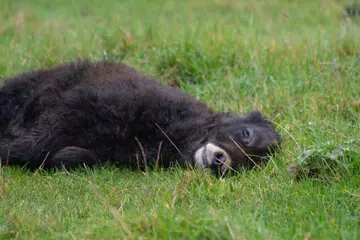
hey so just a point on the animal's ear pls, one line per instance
(254, 116)
(249, 117)
(231, 119)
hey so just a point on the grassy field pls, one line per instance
(297, 61)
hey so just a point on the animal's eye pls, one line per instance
(246, 133)
(245, 136)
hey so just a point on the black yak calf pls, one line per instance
(88, 113)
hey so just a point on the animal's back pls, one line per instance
(26, 92)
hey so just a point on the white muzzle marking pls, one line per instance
(205, 156)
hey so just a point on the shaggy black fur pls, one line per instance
(87, 113)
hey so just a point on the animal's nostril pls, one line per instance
(219, 158)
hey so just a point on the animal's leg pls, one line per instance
(26, 151)
(71, 157)
(22, 151)
(32, 149)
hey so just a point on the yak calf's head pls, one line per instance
(238, 142)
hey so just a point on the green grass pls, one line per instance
(297, 61)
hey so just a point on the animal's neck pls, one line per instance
(191, 134)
